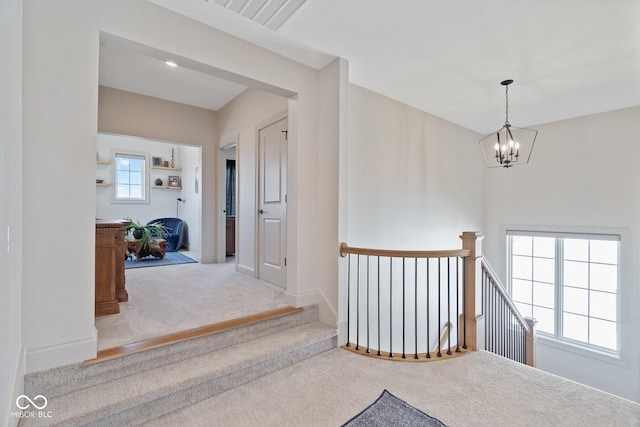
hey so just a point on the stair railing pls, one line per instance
(422, 302)
(507, 333)
(399, 301)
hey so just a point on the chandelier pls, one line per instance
(509, 145)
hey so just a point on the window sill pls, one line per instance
(592, 353)
(131, 202)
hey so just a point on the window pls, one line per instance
(130, 178)
(569, 283)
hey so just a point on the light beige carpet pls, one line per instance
(478, 389)
(174, 298)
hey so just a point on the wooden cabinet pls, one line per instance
(231, 235)
(109, 267)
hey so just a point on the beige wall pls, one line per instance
(138, 115)
(128, 113)
(238, 119)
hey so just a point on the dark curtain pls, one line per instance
(231, 188)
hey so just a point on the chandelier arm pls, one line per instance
(511, 138)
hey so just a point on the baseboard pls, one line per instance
(342, 332)
(246, 270)
(39, 359)
(18, 389)
(208, 260)
(302, 300)
(328, 315)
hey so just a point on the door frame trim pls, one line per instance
(282, 115)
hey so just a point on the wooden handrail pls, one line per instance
(346, 249)
(505, 297)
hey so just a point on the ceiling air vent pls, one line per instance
(268, 13)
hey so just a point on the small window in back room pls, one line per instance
(130, 178)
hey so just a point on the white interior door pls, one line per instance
(272, 208)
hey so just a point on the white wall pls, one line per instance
(190, 209)
(333, 119)
(414, 180)
(240, 118)
(11, 350)
(583, 176)
(60, 76)
(162, 202)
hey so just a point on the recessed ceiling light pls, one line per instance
(171, 63)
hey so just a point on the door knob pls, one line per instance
(260, 211)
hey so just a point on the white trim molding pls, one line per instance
(302, 300)
(42, 358)
(249, 271)
(328, 314)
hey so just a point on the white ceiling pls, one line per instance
(128, 69)
(568, 58)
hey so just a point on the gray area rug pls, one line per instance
(388, 410)
(170, 258)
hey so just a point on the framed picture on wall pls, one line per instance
(156, 161)
(174, 181)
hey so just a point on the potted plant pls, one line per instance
(146, 233)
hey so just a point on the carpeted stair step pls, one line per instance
(62, 380)
(138, 398)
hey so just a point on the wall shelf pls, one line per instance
(166, 187)
(166, 169)
(102, 184)
(103, 162)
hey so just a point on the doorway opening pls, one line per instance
(237, 116)
(229, 193)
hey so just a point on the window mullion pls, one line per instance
(532, 277)
(559, 286)
(589, 293)
(509, 266)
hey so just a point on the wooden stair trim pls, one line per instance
(397, 356)
(177, 337)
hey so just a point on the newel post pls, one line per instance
(530, 357)
(473, 317)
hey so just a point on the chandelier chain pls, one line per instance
(506, 112)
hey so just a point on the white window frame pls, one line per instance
(557, 336)
(145, 178)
